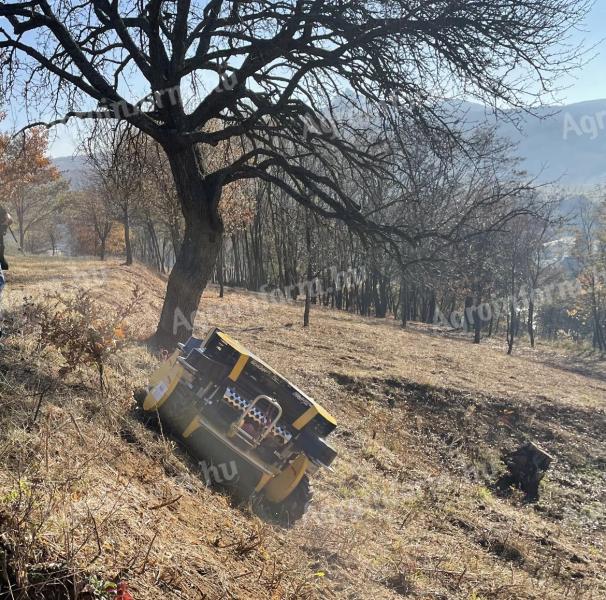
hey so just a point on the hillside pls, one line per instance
(563, 144)
(87, 494)
(75, 169)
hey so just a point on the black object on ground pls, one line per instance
(526, 468)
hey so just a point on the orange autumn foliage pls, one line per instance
(86, 243)
(24, 161)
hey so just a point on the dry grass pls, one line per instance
(408, 512)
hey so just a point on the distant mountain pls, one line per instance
(565, 144)
(74, 169)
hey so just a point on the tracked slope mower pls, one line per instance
(228, 407)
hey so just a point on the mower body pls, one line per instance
(228, 407)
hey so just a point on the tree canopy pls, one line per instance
(282, 82)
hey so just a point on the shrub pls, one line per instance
(84, 332)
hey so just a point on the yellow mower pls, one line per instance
(244, 422)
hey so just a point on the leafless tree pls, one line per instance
(117, 157)
(93, 210)
(285, 73)
(34, 205)
(591, 252)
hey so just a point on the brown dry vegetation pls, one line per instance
(408, 511)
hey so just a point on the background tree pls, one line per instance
(92, 220)
(539, 265)
(117, 155)
(161, 195)
(34, 207)
(26, 179)
(590, 246)
(274, 63)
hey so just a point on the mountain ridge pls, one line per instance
(565, 145)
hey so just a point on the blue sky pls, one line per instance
(587, 83)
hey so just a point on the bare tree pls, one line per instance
(541, 231)
(35, 205)
(92, 210)
(117, 156)
(591, 252)
(279, 68)
(160, 194)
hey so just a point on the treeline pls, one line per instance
(539, 276)
(486, 253)
(485, 260)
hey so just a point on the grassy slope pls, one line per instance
(407, 511)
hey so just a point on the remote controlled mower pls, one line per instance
(228, 407)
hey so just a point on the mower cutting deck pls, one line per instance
(228, 407)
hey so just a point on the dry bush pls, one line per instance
(83, 331)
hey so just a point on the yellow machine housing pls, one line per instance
(227, 406)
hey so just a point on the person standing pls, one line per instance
(5, 222)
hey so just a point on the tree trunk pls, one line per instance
(531, 322)
(308, 284)
(163, 256)
(154, 244)
(307, 308)
(477, 321)
(599, 341)
(468, 319)
(199, 250)
(403, 300)
(175, 238)
(236, 272)
(431, 311)
(477, 330)
(127, 242)
(511, 323)
(598, 338)
(21, 235)
(102, 251)
(511, 328)
(221, 269)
